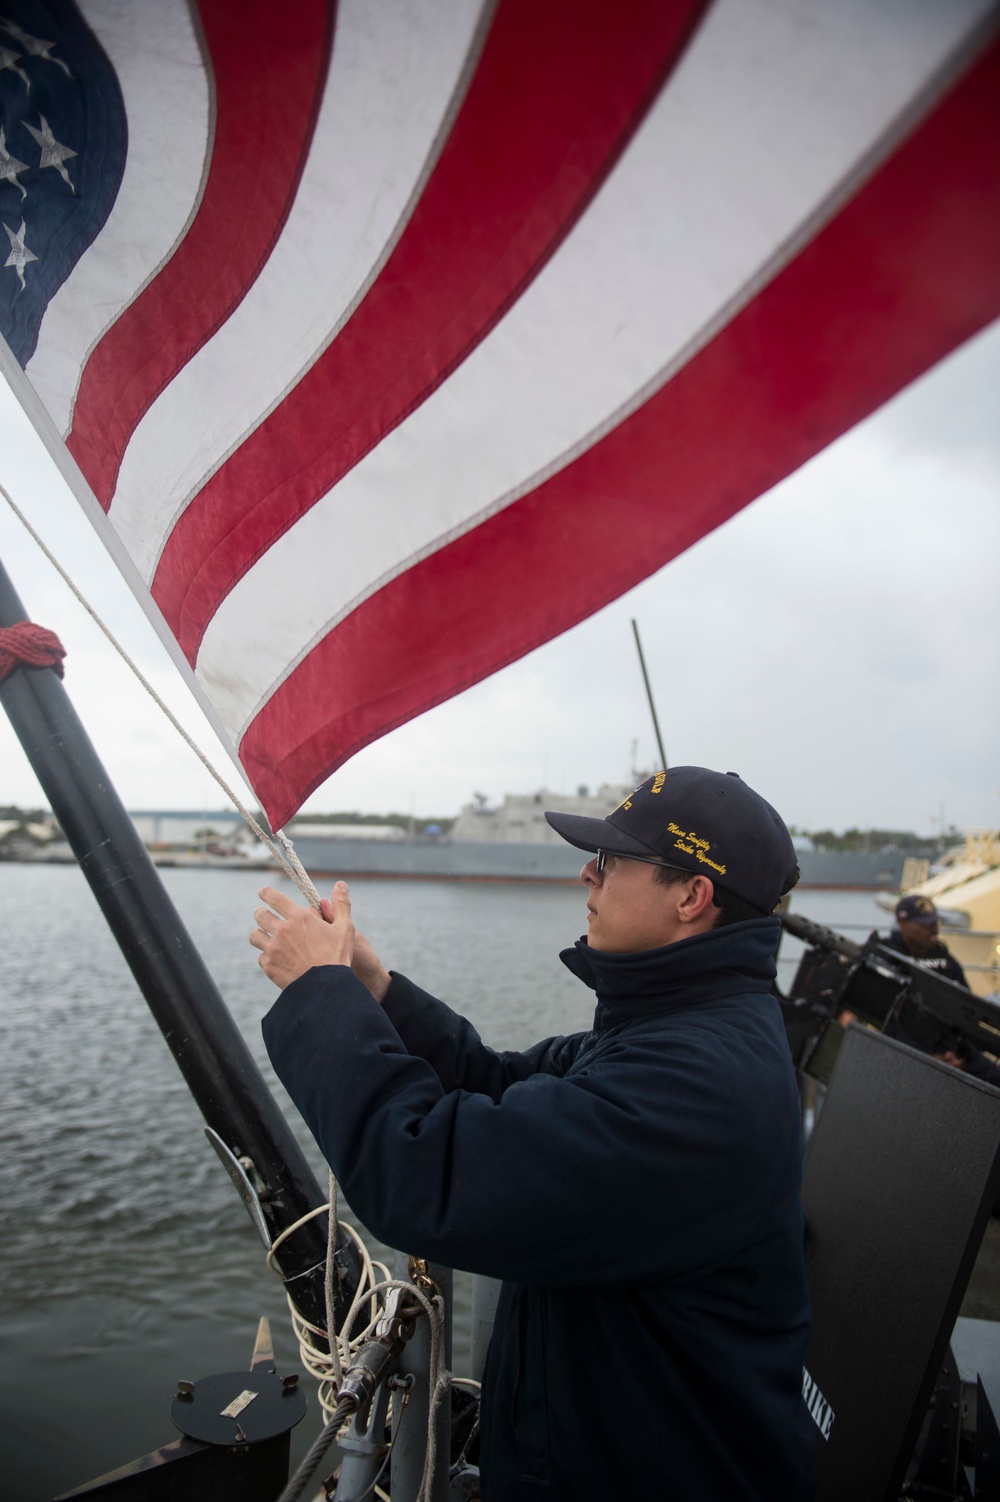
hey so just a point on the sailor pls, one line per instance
(636, 1186)
(916, 935)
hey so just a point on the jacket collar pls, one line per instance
(730, 961)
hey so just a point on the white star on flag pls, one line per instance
(53, 155)
(10, 166)
(20, 256)
(34, 46)
(10, 60)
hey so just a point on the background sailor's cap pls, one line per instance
(917, 909)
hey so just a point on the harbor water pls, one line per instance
(127, 1259)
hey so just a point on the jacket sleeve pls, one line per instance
(432, 1031)
(562, 1181)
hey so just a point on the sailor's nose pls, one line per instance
(590, 875)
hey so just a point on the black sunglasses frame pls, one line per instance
(647, 860)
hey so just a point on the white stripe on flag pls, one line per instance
(155, 53)
(391, 88)
(765, 116)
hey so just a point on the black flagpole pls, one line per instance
(184, 999)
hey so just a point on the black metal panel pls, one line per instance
(820, 1054)
(902, 1172)
(872, 990)
(934, 1470)
(189, 1472)
(987, 1441)
(821, 976)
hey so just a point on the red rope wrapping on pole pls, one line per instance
(25, 645)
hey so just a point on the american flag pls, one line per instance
(384, 340)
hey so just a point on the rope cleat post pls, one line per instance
(368, 1386)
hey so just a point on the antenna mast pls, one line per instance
(649, 695)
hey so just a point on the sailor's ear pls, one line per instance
(695, 898)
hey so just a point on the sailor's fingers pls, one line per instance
(337, 907)
(266, 920)
(340, 903)
(368, 967)
(293, 939)
(281, 904)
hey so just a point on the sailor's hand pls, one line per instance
(292, 939)
(369, 968)
(366, 964)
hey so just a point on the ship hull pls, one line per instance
(516, 861)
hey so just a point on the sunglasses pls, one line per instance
(648, 860)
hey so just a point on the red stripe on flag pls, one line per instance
(908, 270)
(559, 90)
(269, 65)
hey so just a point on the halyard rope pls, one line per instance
(279, 844)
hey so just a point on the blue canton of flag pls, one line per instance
(63, 140)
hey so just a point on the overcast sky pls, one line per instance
(837, 643)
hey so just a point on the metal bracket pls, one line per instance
(398, 1317)
(421, 1278)
(244, 1187)
(364, 1447)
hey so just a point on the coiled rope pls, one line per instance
(328, 1354)
(26, 645)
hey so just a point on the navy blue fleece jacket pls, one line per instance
(637, 1188)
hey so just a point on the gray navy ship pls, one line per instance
(511, 842)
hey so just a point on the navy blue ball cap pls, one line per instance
(918, 909)
(709, 823)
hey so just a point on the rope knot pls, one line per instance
(25, 645)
